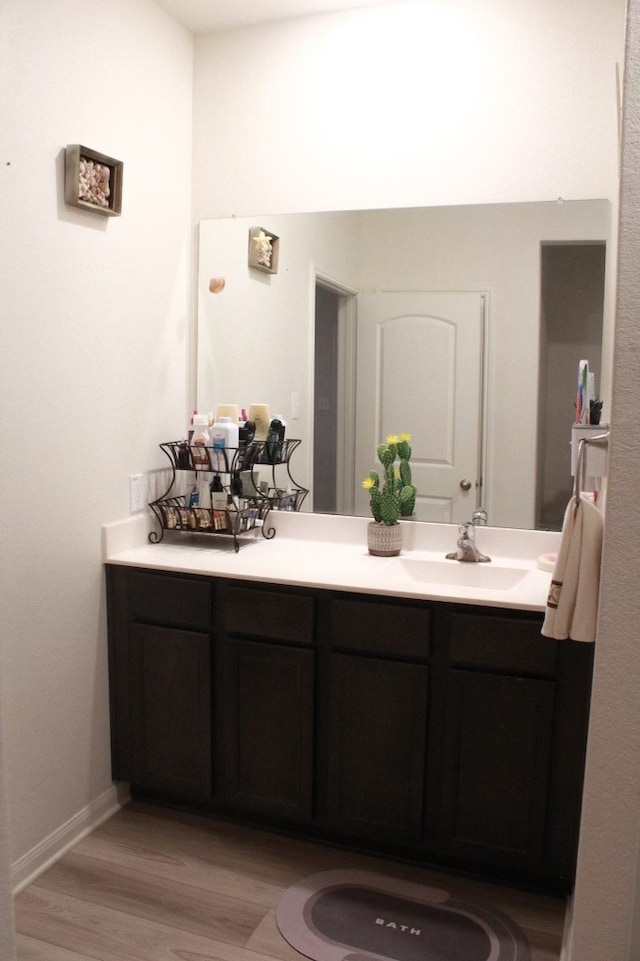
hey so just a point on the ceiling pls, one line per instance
(206, 16)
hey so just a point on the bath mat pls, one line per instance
(361, 916)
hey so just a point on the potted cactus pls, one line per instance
(391, 499)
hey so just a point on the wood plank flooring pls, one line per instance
(157, 885)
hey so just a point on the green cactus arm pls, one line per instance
(404, 450)
(389, 475)
(405, 472)
(407, 500)
(375, 500)
(386, 455)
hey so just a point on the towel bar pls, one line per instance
(596, 471)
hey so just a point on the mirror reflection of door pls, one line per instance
(334, 385)
(420, 370)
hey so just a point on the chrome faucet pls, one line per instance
(466, 549)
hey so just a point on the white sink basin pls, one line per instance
(463, 573)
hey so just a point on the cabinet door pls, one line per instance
(267, 719)
(376, 731)
(496, 764)
(170, 697)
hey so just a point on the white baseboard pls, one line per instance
(32, 864)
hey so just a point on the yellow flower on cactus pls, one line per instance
(392, 439)
(405, 437)
(368, 483)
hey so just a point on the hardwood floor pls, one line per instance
(156, 885)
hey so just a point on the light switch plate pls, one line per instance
(137, 492)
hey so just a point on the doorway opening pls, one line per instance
(572, 305)
(334, 398)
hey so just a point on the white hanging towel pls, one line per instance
(572, 605)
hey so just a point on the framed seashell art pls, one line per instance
(264, 248)
(92, 180)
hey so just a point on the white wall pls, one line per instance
(409, 104)
(7, 939)
(607, 892)
(93, 348)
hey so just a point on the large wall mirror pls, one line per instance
(462, 326)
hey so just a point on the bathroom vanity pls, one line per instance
(430, 722)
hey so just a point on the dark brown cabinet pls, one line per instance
(171, 712)
(443, 733)
(160, 669)
(499, 741)
(267, 701)
(377, 713)
(376, 692)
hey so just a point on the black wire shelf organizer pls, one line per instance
(249, 497)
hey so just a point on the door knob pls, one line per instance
(465, 485)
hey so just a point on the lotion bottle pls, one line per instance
(200, 442)
(225, 442)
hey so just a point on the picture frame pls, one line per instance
(92, 180)
(264, 250)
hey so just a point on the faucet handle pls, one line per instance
(466, 532)
(479, 516)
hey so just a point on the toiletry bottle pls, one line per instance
(242, 432)
(250, 429)
(227, 410)
(277, 427)
(271, 447)
(218, 494)
(184, 457)
(259, 414)
(204, 493)
(224, 443)
(191, 423)
(237, 491)
(248, 455)
(283, 423)
(200, 442)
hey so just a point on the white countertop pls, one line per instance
(324, 551)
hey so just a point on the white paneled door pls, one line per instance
(420, 370)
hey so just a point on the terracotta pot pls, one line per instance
(384, 540)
